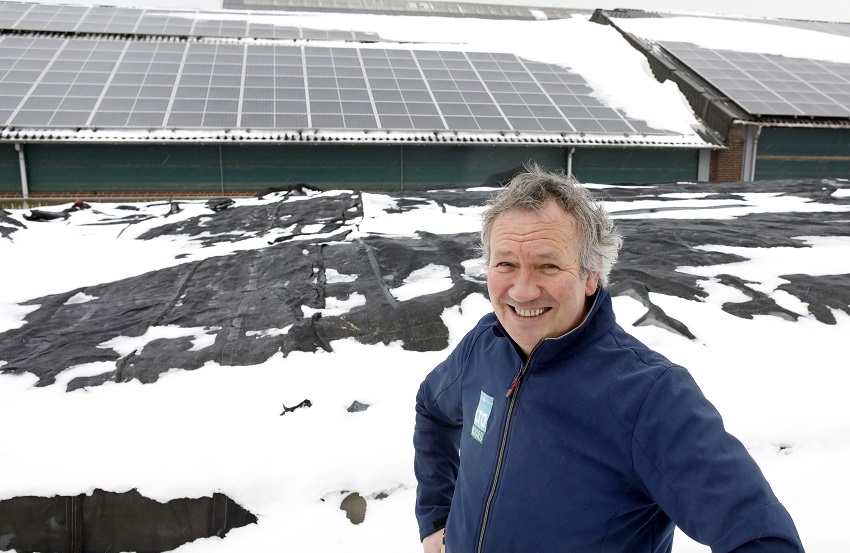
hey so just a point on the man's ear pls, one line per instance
(591, 284)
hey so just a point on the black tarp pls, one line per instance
(248, 292)
(103, 521)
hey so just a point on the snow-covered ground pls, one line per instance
(781, 385)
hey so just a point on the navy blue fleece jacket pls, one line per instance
(602, 445)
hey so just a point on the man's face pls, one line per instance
(534, 276)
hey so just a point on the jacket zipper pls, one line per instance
(512, 394)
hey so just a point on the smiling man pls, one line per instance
(550, 429)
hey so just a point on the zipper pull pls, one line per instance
(513, 387)
(520, 374)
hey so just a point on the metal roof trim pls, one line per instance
(774, 121)
(15, 134)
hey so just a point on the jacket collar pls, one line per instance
(599, 320)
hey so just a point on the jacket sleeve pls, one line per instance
(436, 440)
(702, 477)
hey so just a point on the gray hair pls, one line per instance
(531, 190)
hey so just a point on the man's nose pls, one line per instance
(525, 288)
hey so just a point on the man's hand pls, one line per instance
(434, 542)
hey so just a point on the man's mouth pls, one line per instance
(529, 312)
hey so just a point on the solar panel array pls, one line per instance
(764, 84)
(106, 83)
(112, 20)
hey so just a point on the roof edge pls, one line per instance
(220, 136)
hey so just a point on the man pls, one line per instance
(550, 429)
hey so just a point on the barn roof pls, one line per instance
(83, 73)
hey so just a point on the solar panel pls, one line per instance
(220, 28)
(158, 22)
(81, 82)
(764, 84)
(102, 19)
(11, 13)
(155, 23)
(46, 17)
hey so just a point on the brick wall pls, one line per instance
(726, 165)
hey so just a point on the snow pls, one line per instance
(80, 297)
(753, 202)
(420, 219)
(332, 276)
(780, 384)
(826, 256)
(336, 306)
(269, 332)
(125, 345)
(427, 280)
(743, 36)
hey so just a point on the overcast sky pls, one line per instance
(819, 10)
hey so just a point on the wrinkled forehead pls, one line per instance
(550, 216)
(550, 232)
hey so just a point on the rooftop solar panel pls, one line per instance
(101, 82)
(157, 22)
(764, 84)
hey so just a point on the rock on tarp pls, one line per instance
(239, 297)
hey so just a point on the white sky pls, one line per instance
(291, 471)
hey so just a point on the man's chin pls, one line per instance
(525, 337)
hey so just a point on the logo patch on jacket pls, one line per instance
(482, 414)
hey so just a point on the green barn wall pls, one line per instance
(108, 168)
(464, 166)
(103, 169)
(632, 165)
(327, 166)
(10, 171)
(785, 153)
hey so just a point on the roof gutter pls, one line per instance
(67, 136)
(798, 124)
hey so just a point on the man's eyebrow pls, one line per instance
(548, 254)
(544, 255)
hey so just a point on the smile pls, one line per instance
(530, 312)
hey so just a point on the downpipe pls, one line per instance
(22, 162)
